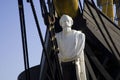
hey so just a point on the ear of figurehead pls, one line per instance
(66, 21)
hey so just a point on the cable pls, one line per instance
(41, 38)
(117, 55)
(98, 26)
(24, 39)
(81, 8)
(49, 21)
(102, 32)
(51, 28)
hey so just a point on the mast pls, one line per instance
(69, 7)
(107, 8)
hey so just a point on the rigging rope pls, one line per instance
(55, 47)
(49, 19)
(81, 8)
(41, 38)
(108, 34)
(24, 39)
(104, 26)
(98, 26)
(116, 55)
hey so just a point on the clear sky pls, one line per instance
(11, 53)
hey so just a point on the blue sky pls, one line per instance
(11, 54)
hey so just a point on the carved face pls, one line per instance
(66, 21)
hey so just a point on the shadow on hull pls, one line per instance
(34, 73)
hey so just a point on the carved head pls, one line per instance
(66, 21)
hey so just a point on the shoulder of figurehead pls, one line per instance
(75, 31)
(78, 33)
(57, 34)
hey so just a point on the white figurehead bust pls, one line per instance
(70, 42)
(71, 45)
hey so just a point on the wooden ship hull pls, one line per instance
(102, 50)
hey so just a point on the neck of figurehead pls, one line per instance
(66, 30)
